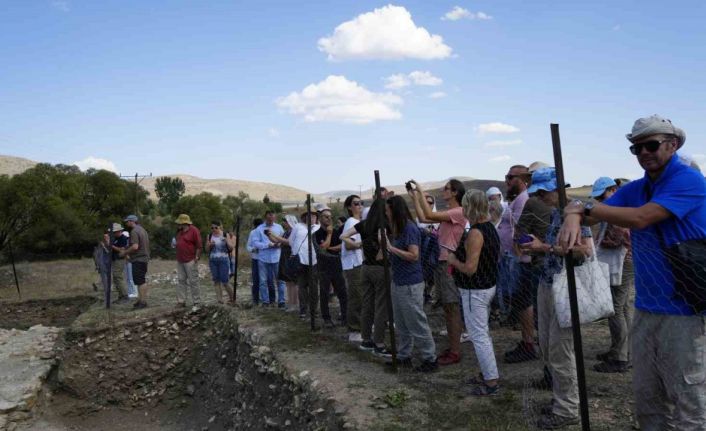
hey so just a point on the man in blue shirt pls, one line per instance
(268, 260)
(665, 207)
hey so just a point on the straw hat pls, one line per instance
(183, 219)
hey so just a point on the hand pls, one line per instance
(532, 247)
(570, 233)
(575, 207)
(416, 186)
(329, 229)
(451, 259)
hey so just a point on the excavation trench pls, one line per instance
(193, 370)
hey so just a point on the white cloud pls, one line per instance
(508, 143)
(503, 158)
(437, 95)
(60, 5)
(425, 78)
(395, 82)
(458, 13)
(418, 77)
(96, 163)
(273, 133)
(340, 100)
(387, 33)
(496, 128)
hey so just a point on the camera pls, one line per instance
(408, 185)
(267, 232)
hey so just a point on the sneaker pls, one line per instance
(367, 346)
(382, 352)
(465, 338)
(552, 422)
(449, 358)
(401, 363)
(483, 390)
(138, 305)
(427, 366)
(355, 337)
(611, 366)
(523, 352)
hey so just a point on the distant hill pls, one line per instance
(398, 189)
(10, 165)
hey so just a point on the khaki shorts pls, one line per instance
(445, 286)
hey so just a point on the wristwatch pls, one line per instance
(587, 208)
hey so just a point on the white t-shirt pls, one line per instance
(351, 258)
(298, 240)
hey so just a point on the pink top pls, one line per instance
(506, 228)
(450, 232)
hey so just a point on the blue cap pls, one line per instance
(601, 185)
(543, 179)
(131, 217)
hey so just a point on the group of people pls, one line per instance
(486, 250)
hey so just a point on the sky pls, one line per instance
(319, 94)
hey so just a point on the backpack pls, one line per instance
(429, 253)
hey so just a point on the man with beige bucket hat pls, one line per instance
(188, 252)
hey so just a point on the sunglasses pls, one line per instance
(510, 177)
(214, 227)
(650, 146)
(357, 204)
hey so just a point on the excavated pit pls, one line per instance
(183, 371)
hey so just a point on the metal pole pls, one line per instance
(571, 278)
(386, 277)
(109, 277)
(310, 267)
(235, 264)
(14, 270)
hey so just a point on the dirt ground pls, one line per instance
(370, 396)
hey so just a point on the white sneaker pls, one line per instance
(355, 337)
(465, 338)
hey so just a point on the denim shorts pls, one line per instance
(220, 270)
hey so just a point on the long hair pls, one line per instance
(376, 216)
(458, 189)
(475, 205)
(347, 204)
(400, 214)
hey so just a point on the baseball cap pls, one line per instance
(600, 186)
(544, 179)
(131, 217)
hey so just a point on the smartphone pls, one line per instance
(524, 239)
(267, 232)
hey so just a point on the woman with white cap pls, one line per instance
(612, 246)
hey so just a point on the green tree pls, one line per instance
(202, 209)
(169, 190)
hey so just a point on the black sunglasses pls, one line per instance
(650, 146)
(510, 177)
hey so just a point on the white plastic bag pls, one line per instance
(595, 299)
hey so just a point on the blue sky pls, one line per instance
(216, 88)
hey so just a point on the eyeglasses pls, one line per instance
(650, 146)
(214, 227)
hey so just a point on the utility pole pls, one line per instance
(138, 179)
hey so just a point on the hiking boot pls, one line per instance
(367, 346)
(449, 358)
(427, 366)
(611, 366)
(382, 352)
(484, 390)
(523, 352)
(552, 422)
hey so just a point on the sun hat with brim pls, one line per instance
(544, 179)
(655, 125)
(183, 219)
(493, 191)
(117, 227)
(321, 207)
(131, 217)
(600, 186)
(537, 166)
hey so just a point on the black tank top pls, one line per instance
(486, 275)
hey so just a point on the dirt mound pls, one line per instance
(191, 370)
(47, 312)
